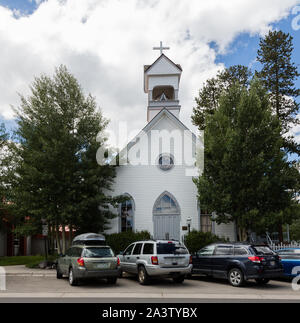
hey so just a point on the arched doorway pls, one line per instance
(166, 217)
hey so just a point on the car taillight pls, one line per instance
(80, 262)
(191, 259)
(118, 261)
(154, 260)
(256, 259)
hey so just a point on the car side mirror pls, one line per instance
(121, 253)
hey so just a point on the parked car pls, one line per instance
(156, 258)
(290, 258)
(88, 261)
(238, 263)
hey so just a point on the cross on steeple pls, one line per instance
(161, 48)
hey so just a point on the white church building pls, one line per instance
(158, 166)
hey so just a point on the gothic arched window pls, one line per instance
(166, 204)
(127, 215)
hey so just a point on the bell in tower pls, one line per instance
(161, 83)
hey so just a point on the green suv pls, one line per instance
(83, 261)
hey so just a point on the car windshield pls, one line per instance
(263, 250)
(96, 252)
(170, 248)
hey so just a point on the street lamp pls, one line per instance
(189, 221)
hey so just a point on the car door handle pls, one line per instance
(137, 257)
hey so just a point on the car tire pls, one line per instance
(236, 277)
(262, 281)
(112, 280)
(143, 277)
(179, 279)
(72, 279)
(121, 274)
(59, 275)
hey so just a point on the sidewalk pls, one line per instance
(24, 271)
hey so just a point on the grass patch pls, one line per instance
(28, 261)
(20, 260)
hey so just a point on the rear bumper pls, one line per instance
(168, 272)
(269, 274)
(83, 273)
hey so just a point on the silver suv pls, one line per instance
(153, 258)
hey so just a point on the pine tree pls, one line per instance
(56, 177)
(279, 74)
(208, 99)
(246, 176)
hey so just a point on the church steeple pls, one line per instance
(161, 82)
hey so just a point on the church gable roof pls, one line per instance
(163, 113)
(174, 68)
(155, 121)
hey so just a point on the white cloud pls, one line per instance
(105, 44)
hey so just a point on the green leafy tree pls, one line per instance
(279, 75)
(56, 178)
(246, 176)
(209, 96)
(3, 143)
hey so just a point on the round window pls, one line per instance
(165, 162)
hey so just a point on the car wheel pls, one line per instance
(72, 279)
(143, 276)
(262, 281)
(58, 273)
(112, 280)
(179, 279)
(236, 277)
(121, 274)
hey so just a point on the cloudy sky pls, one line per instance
(105, 44)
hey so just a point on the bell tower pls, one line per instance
(161, 83)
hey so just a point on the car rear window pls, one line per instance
(95, 252)
(148, 249)
(240, 251)
(170, 248)
(224, 251)
(263, 250)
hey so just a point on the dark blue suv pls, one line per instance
(238, 262)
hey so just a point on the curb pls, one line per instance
(29, 275)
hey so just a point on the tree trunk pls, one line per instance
(70, 234)
(57, 239)
(280, 233)
(63, 240)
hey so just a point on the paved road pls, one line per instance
(46, 287)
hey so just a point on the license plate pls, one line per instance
(102, 266)
(272, 263)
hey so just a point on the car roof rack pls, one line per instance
(89, 239)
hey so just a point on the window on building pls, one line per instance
(206, 225)
(165, 92)
(166, 162)
(166, 205)
(127, 213)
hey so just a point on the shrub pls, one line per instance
(120, 241)
(196, 240)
